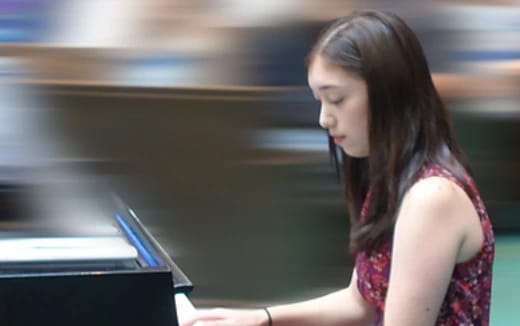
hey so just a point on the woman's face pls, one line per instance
(344, 105)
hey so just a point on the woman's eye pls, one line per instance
(337, 102)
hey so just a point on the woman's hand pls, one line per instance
(227, 317)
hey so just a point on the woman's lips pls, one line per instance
(338, 139)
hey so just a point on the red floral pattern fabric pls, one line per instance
(467, 302)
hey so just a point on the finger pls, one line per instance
(204, 315)
(219, 322)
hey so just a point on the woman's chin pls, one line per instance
(355, 153)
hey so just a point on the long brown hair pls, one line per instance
(408, 122)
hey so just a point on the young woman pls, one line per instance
(422, 238)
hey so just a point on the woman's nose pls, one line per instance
(326, 120)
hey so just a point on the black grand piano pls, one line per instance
(73, 253)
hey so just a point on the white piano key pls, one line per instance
(184, 307)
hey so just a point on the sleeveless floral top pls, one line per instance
(467, 301)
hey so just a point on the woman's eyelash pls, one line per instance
(337, 102)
